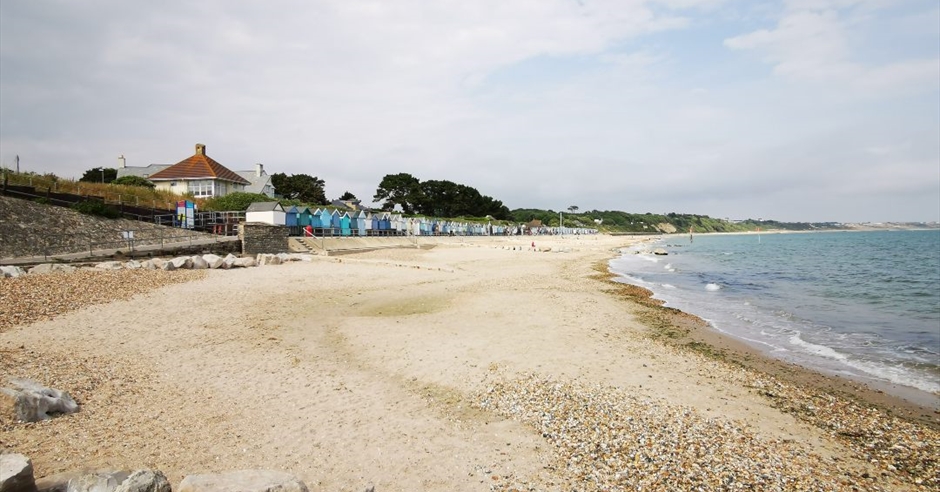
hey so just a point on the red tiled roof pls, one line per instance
(198, 166)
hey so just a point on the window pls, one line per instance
(203, 187)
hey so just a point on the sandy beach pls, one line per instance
(447, 368)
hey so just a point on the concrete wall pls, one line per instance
(262, 238)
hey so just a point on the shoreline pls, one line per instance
(913, 396)
(688, 331)
(383, 368)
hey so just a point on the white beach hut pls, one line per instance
(267, 212)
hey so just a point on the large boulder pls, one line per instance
(199, 263)
(182, 262)
(244, 262)
(145, 481)
(97, 481)
(243, 481)
(33, 402)
(41, 269)
(16, 473)
(214, 261)
(267, 259)
(133, 265)
(109, 265)
(11, 271)
(228, 261)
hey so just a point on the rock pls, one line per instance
(11, 271)
(148, 265)
(182, 262)
(157, 263)
(16, 473)
(199, 263)
(285, 257)
(41, 268)
(59, 482)
(165, 265)
(99, 481)
(132, 265)
(244, 262)
(34, 402)
(268, 259)
(214, 261)
(660, 252)
(109, 265)
(229, 261)
(145, 481)
(243, 481)
(51, 268)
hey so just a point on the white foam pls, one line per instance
(712, 287)
(820, 350)
(668, 286)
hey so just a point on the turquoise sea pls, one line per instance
(865, 305)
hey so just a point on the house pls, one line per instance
(200, 175)
(259, 179)
(267, 212)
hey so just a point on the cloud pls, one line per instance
(637, 105)
(813, 42)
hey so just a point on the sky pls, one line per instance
(793, 110)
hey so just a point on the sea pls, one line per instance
(863, 305)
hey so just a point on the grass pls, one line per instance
(130, 195)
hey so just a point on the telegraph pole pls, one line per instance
(17, 163)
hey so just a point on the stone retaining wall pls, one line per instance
(258, 238)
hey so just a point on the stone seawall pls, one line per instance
(258, 238)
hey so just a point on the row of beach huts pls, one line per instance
(324, 222)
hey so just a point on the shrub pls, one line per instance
(134, 181)
(94, 207)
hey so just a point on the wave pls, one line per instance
(820, 350)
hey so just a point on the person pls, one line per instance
(533, 244)
(308, 231)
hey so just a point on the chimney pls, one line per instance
(200, 149)
(121, 162)
(259, 169)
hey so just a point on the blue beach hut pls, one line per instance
(304, 216)
(290, 216)
(335, 221)
(362, 223)
(344, 224)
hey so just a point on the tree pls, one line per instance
(348, 196)
(99, 175)
(134, 181)
(303, 187)
(234, 201)
(573, 208)
(399, 189)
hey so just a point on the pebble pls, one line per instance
(30, 298)
(605, 438)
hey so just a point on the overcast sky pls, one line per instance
(802, 110)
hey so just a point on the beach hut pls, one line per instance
(336, 221)
(385, 224)
(325, 220)
(344, 224)
(353, 222)
(398, 224)
(290, 216)
(266, 212)
(304, 216)
(363, 223)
